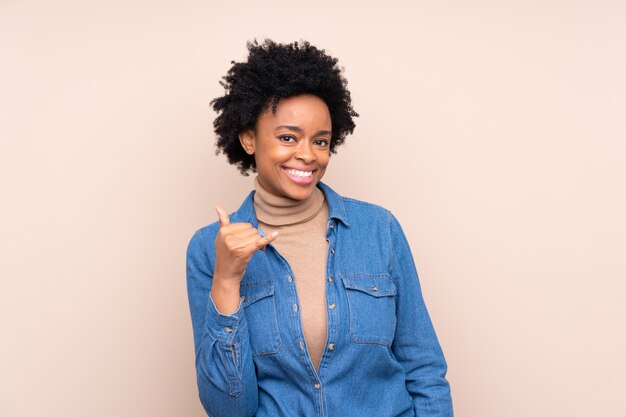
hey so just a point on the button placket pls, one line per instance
(331, 295)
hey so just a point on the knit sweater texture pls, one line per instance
(301, 225)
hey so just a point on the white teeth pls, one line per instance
(302, 174)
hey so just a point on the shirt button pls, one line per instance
(228, 329)
(330, 279)
(332, 306)
(331, 346)
(332, 225)
(317, 385)
(289, 278)
(332, 251)
(243, 298)
(295, 307)
(301, 344)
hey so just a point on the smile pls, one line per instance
(298, 176)
(299, 173)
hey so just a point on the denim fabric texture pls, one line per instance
(382, 357)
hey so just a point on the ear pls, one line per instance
(247, 139)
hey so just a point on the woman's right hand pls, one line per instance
(234, 246)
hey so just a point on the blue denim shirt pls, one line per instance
(382, 357)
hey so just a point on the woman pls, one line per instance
(304, 302)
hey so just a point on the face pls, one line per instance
(291, 147)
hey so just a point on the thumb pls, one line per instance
(222, 215)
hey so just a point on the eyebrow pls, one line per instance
(300, 130)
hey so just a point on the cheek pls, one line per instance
(324, 159)
(278, 155)
(269, 157)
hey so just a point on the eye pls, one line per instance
(287, 138)
(322, 142)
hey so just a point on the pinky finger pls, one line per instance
(264, 241)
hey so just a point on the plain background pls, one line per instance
(494, 130)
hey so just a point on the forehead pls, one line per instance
(303, 110)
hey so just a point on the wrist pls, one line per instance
(225, 295)
(226, 284)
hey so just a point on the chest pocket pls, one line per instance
(260, 310)
(372, 308)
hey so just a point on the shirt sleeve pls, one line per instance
(415, 344)
(225, 373)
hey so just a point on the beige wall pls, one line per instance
(496, 131)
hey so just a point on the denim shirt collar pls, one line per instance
(336, 209)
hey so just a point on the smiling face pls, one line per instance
(292, 146)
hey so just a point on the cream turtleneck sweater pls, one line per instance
(302, 242)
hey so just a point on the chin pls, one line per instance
(299, 194)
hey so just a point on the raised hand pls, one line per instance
(234, 246)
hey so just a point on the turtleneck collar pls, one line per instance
(281, 211)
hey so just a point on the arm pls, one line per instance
(415, 344)
(225, 371)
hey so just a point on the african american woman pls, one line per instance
(304, 302)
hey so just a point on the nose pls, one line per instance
(305, 152)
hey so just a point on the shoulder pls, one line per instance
(355, 204)
(202, 243)
(373, 218)
(361, 214)
(210, 230)
(369, 222)
(353, 208)
(363, 211)
(200, 246)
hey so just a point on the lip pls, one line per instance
(300, 180)
(300, 169)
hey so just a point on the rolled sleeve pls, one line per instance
(226, 328)
(226, 377)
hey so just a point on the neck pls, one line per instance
(280, 211)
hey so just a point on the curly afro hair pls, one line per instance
(274, 71)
